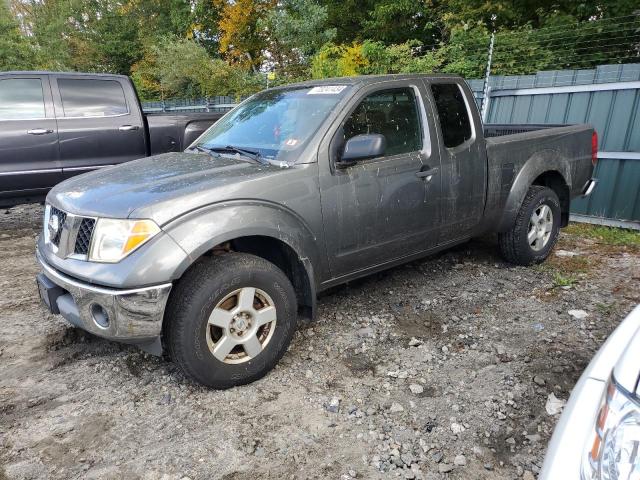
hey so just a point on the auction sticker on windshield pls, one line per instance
(326, 90)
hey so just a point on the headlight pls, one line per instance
(112, 239)
(614, 453)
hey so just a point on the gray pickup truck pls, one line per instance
(215, 253)
(56, 125)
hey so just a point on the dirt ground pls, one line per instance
(423, 371)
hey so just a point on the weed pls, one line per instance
(606, 235)
(560, 280)
(604, 308)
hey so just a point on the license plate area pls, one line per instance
(49, 292)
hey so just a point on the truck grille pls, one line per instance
(73, 235)
(83, 239)
(62, 217)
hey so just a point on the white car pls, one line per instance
(598, 435)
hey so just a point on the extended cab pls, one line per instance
(56, 125)
(216, 252)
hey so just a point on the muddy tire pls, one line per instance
(536, 228)
(230, 319)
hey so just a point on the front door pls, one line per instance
(98, 123)
(28, 137)
(385, 208)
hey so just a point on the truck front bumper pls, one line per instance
(125, 315)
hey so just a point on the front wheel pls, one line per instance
(230, 319)
(536, 229)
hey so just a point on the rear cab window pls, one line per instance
(453, 114)
(21, 99)
(92, 98)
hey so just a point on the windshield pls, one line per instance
(275, 123)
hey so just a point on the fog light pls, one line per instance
(100, 316)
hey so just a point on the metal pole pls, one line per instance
(485, 87)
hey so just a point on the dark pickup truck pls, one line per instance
(214, 253)
(56, 125)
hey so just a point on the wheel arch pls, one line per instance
(546, 168)
(264, 231)
(274, 250)
(555, 181)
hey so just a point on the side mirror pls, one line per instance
(362, 147)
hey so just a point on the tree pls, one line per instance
(204, 25)
(114, 42)
(339, 61)
(241, 41)
(370, 58)
(348, 17)
(178, 67)
(50, 24)
(16, 52)
(295, 31)
(399, 21)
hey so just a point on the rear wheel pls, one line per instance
(230, 319)
(536, 228)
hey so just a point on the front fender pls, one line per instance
(539, 163)
(199, 231)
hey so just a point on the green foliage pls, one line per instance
(176, 67)
(241, 40)
(606, 235)
(16, 52)
(348, 17)
(466, 52)
(339, 61)
(204, 25)
(187, 48)
(373, 58)
(399, 21)
(298, 26)
(53, 34)
(560, 280)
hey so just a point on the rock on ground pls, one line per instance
(471, 330)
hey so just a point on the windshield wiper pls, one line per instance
(251, 154)
(206, 150)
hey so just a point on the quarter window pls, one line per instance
(92, 98)
(21, 98)
(453, 114)
(392, 113)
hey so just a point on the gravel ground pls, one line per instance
(437, 369)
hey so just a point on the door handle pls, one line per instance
(128, 128)
(427, 174)
(39, 131)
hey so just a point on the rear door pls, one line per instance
(385, 208)
(464, 158)
(99, 122)
(29, 162)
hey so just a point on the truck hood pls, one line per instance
(161, 187)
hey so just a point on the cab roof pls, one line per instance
(67, 74)
(370, 79)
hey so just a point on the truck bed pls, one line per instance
(174, 132)
(501, 129)
(515, 151)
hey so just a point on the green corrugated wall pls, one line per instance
(614, 113)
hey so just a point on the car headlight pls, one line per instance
(614, 453)
(113, 239)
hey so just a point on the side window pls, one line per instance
(92, 98)
(21, 98)
(453, 114)
(392, 113)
